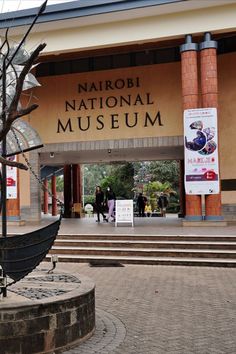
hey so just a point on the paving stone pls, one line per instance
(161, 310)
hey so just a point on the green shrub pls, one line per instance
(173, 208)
(89, 199)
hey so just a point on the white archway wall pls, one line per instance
(158, 148)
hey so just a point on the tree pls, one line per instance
(153, 189)
(154, 177)
(94, 176)
(121, 180)
(165, 171)
(128, 179)
(120, 177)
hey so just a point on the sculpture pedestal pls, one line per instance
(46, 312)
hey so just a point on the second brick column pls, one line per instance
(190, 100)
(209, 89)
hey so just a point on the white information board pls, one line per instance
(124, 212)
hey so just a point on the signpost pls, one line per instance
(124, 212)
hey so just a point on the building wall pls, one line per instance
(119, 104)
(136, 27)
(159, 90)
(227, 129)
(65, 115)
(151, 88)
(227, 114)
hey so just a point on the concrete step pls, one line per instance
(141, 237)
(144, 252)
(203, 250)
(145, 243)
(112, 261)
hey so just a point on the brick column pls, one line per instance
(54, 194)
(67, 191)
(190, 100)
(209, 88)
(45, 196)
(76, 176)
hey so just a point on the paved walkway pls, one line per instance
(161, 310)
(156, 309)
(171, 225)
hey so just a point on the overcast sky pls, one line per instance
(14, 5)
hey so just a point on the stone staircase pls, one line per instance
(108, 249)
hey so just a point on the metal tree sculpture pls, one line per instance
(15, 77)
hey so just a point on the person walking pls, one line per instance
(110, 201)
(99, 199)
(162, 203)
(141, 205)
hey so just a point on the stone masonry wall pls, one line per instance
(47, 326)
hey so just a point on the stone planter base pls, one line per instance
(47, 313)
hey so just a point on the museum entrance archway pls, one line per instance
(55, 157)
(148, 183)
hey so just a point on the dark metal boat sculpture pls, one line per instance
(20, 254)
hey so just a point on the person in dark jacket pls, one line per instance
(162, 203)
(110, 201)
(141, 204)
(99, 199)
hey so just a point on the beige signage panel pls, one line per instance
(125, 103)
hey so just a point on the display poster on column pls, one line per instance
(124, 212)
(11, 181)
(201, 151)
